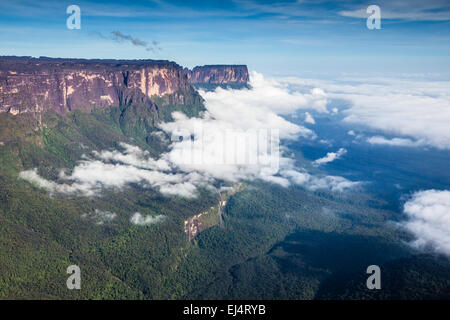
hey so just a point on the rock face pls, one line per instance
(39, 84)
(218, 74)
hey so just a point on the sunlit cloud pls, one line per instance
(330, 157)
(415, 112)
(254, 151)
(429, 219)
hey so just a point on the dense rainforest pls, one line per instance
(276, 243)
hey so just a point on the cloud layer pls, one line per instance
(140, 220)
(429, 219)
(238, 137)
(404, 108)
(117, 169)
(259, 110)
(399, 142)
(100, 217)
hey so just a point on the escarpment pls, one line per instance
(211, 76)
(40, 84)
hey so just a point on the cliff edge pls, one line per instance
(39, 84)
(218, 75)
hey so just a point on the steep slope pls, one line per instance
(40, 84)
(137, 93)
(53, 112)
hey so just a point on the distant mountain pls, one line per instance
(39, 84)
(211, 76)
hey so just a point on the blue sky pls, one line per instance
(278, 38)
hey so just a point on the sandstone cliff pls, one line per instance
(218, 74)
(39, 84)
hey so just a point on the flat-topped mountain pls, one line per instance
(219, 75)
(39, 84)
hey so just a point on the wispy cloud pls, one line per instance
(415, 111)
(399, 142)
(333, 183)
(140, 220)
(100, 216)
(118, 169)
(149, 46)
(309, 118)
(330, 157)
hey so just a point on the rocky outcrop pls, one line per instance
(39, 84)
(219, 75)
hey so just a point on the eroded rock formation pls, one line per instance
(39, 84)
(218, 74)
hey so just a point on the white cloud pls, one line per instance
(420, 110)
(258, 108)
(100, 216)
(251, 116)
(266, 95)
(133, 156)
(141, 220)
(429, 219)
(331, 156)
(309, 118)
(51, 186)
(333, 183)
(401, 142)
(117, 170)
(351, 133)
(406, 108)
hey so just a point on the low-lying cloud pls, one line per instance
(405, 108)
(330, 157)
(117, 169)
(398, 142)
(239, 137)
(100, 216)
(333, 183)
(429, 219)
(140, 220)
